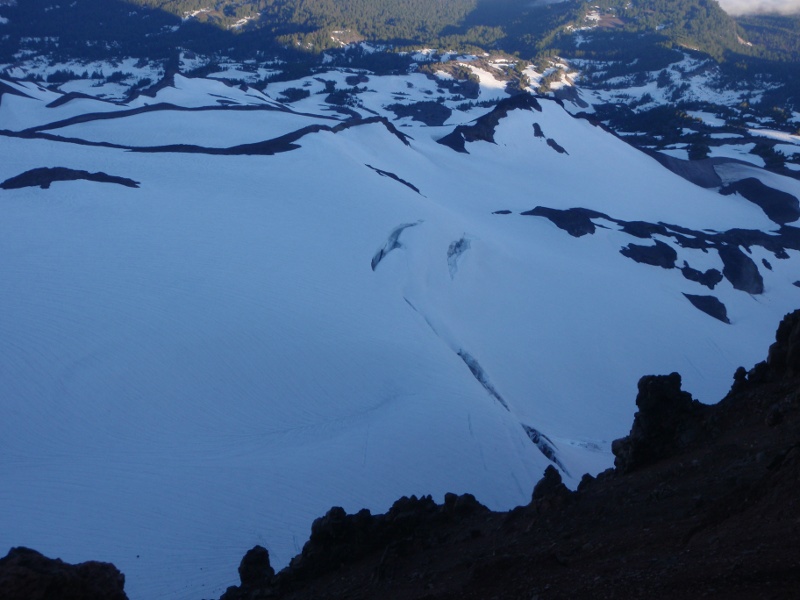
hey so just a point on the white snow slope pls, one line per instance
(210, 361)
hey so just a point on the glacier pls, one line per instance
(211, 360)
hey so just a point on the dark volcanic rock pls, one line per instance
(27, 575)
(45, 176)
(711, 305)
(575, 221)
(338, 538)
(710, 278)
(642, 229)
(783, 359)
(556, 146)
(666, 421)
(740, 270)
(256, 576)
(255, 569)
(391, 175)
(550, 486)
(780, 207)
(483, 127)
(661, 255)
(431, 113)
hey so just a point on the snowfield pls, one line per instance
(215, 358)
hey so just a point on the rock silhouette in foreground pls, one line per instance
(28, 575)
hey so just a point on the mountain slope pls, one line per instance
(315, 302)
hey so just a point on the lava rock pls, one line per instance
(642, 229)
(432, 114)
(550, 484)
(556, 146)
(668, 419)
(255, 570)
(711, 305)
(661, 255)
(740, 270)
(44, 177)
(783, 359)
(709, 278)
(26, 574)
(575, 221)
(484, 126)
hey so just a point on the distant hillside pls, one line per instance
(776, 36)
(516, 26)
(513, 25)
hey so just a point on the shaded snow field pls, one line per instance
(211, 361)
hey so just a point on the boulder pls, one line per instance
(255, 570)
(26, 574)
(668, 419)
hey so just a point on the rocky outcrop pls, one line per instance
(660, 255)
(668, 419)
(550, 490)
(740, 270)
(28, 575)
(711, 305)
(733, 246)
(709, 278)
(255, 574)
(575, 221)
(783, 359)
(338, 538)
(484, 126)
(44, 177)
